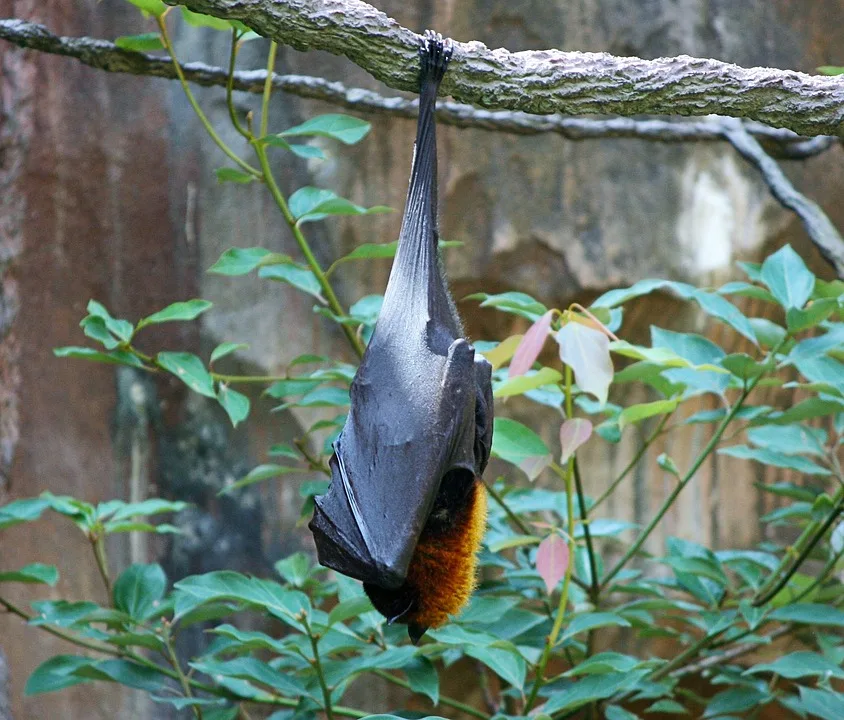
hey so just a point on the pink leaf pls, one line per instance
(531, 345)
(587, 352)
(573, 433)
(533, 465)
(552, 559)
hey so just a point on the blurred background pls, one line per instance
(107, 191)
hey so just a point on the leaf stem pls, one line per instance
(325, 285)
(230, 86)
(551, 641)
(686, 479)
(317, 665)
(209, 128)
(595, 586)
(174, 662)
(807, 542)
(268, 87)
(632, 464)
(98, 546)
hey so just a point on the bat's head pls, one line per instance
(441, 576)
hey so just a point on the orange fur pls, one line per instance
(443, 566)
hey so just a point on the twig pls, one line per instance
(105, 55)
(818, 226)
(443, 700)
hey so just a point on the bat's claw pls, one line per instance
(434, 54)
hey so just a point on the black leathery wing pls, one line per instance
(421, 401)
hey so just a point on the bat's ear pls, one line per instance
(415, 632)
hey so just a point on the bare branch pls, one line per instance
(548, 81)
(818, 226)
(105, 55)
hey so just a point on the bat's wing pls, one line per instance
(409, 425)
(421, 403)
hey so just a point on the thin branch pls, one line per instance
(104, 55)
(818, 226)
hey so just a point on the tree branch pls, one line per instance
(818, 226)
(547, 81)
(104, 55)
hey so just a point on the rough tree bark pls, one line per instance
(547, 81)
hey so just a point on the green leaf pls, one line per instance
(799, 665)
(743, 366)
(794, 439)
(198, 20)
(224, 585)
(22, 511)
(423, 678)
(814, 314)
(241, 261)
(590, 621)
(309, 204)
(815, 347)
(822, 703)
(188, 310)
(353, 607)
(768, 333)
(95, 328)
(323, 397)
(299, 277)
(252, 669)
(226, 348)
(56, 674)
(603, 663)
(189, 369)
(61, 613)
(667, 706)
(139, 591)
(831, 70)
(345, 128)
(126, 673)
(294, 569)
(258, 474)
(772, 457)
(788, 278)
(231, 175)
(747, 290)
(667, 463)
(702, 567)
(587, 352)
(508, 665)
(150, 7)
(515, 443)
(122, 329)
(516, 303)
(33, 573)
(588, 690)
(735, 700)
(143, 42)
(636, 413)
(809, 614)
(150, 506)
(116, 357)
(514, 541)
(234, 403)
(529, 381)
(308, 152)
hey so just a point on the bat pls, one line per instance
(406, 509)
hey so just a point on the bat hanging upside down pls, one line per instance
(406, 509)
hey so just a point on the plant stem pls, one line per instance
(595, 587)
(230, 86)
(669, 501)
(635, 461)
(268, 87)
(317, 665)
(564, 595)
(209, 128)
(804, 546)
(174, 662)
(325, 285)
(98, 546)
(451, 702)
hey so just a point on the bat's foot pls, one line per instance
(434, 53)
